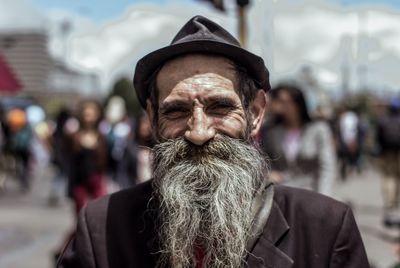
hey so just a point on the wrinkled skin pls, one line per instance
(199, 100)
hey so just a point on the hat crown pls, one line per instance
(200, 28)
(199, 35)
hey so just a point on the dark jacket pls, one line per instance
(304, 229)
(388, 133)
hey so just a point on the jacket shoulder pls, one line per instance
(322, 231)
(139, 193)
(301, 205)
(97, 212)
(103, 224)
(135, 197)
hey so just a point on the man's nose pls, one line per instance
(200, 130)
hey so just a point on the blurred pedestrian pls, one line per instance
(144, 141)
(18, 144)
(85, 159)
(88, 156)
(60, 143)
(388, 138)
(3, 175)
(349, 142)
(129, 149)
(301, 150)
(397, 252)
(273, 117)
(118, 130)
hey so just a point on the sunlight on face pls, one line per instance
(198, 100)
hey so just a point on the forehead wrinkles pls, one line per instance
(196, 69)
(206, 81)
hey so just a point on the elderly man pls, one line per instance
(209, 203)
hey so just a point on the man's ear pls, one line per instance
(257, 110)
(150, 113)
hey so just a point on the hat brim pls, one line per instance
(148, 64)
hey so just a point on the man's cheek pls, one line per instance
(232, 127)
(171, 129)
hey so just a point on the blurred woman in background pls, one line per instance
(301, 150)
(88, 156)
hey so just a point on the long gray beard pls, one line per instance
(205, 196)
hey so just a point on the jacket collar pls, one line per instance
(266, 253)
(261, 208)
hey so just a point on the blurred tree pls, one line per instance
(124, 88)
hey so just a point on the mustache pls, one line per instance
(180, 150)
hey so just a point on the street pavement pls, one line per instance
(363, 192)
(31, 230)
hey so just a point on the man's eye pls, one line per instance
(175, 113)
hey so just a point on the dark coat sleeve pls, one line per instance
(79, 251)
(348, 248)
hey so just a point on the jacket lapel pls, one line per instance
(265, 253)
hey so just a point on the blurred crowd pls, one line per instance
(89, 148)
(96, 148)
(95, 145)
(313, 149)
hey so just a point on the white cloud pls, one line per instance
(61, 25)
(20, 15)
(311, 34)
(326, 37)
(114, 48)
(327, 77)
(384, 27)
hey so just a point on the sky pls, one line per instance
(97, 10)
(100, 10)
(108, 39)
(352, 3)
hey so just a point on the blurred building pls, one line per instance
(26, 53)
(64, 79)
(42, 76)
(8, 80)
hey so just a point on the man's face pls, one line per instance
(206, 170)
(198, 100)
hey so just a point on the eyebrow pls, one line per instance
(221, 100)
(180, 104)
(172, 105)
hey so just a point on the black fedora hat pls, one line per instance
(199, 35)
